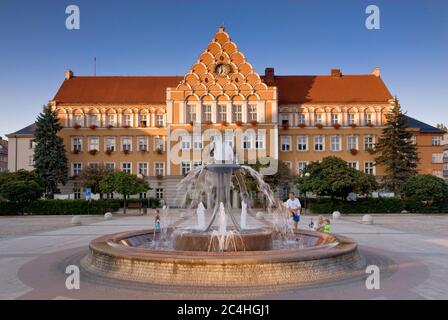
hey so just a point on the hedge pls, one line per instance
(374, 205)
(153, 202)
(62, 207)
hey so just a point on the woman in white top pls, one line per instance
(293, 205)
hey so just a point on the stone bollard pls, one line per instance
(108, 216)
(404, 211)
(76, 220)
(336, 215)
(367, 219)
(259, 215)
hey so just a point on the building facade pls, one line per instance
(3, 155)
(162, 127)
(21, 149)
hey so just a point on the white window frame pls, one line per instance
(252, 112)
(368, 169)
(73, 168)
(206, 112)
(73, 144)
(321, 142)
(332, 143)
(299, 164)
(142, 146)
(91, 146)
(305, 142)
(350, 144)
(285, 146)
(123, 144)
(145, 170)
(237, 112)
(159, 166)
(110, 146)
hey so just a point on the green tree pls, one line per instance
(332, 177)
(20, 175)
(92, 176)
(396, 151)
(50, 158)
(21, 192)
(123, 183)
(425, 188)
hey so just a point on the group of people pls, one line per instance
(294, 208)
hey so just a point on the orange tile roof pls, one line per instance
(291, 89)
(115, 89)
(328, 89)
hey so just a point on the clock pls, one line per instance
(223, 69)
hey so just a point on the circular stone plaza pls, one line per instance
(40, 256)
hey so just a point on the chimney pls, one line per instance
(336, 73)
(68, 74)
(269, 76)
(376, 71)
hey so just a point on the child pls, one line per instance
(327, 226)
(157, 220)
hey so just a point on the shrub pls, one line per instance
(374, 205)
(425, 188)
(62, 207)
(21, 192)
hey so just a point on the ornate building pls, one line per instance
(160, 127)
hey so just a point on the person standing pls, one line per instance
(293, 205)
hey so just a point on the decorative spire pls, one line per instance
(222, 28)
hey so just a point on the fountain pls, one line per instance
(224, 252)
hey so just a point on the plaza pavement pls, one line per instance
(418, 245)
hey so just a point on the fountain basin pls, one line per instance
(250, 240)
(329, 258)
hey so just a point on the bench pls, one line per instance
(135, 205)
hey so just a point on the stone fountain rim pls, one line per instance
(107, 245)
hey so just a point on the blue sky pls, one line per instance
(165, 38)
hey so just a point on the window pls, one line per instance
(301, 165)
(126, 144)
(206, 112)
(94, 120)
(414, 139)
(109, 144)
(127, 120)
(76, 168)
(159, 120)
(251, 112)
(222, 112)
(77, 144)
(109, 196)
(94, 143)
(143, 168)
(352, 142)
(437, 173)
(191, 113)
(110, 120)
(353, 164)
(319, 143)
(142, 195)
(185, 167)
(126, 167)
(318, 118)
(109, 166)
(78, 120)
(336, 143)
(260, 141)
(286, 143)
(301, 118)
(351, 119)
(284, 119)
(334, 119)
(368, 118)
(247, 141)
(437, 158)
(237, 113)
(197, 142)
(31, 161)
(302, 143)
(369, 168)
(159, 193)
(369, 142)
(159, 168)
(197, 164)
(288, 164)
(186, 142)
(159, 144)
(143, 121)
(77, 193)
(142, 143)
(436, 140)
(93, 165)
